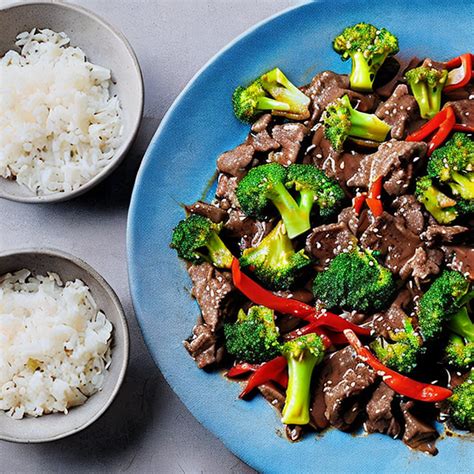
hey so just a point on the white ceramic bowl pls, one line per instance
(104, 46)
(56, 426)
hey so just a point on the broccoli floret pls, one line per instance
(253, 337)
(462, 404)
(460, 348)
(356, 281)
(427, 84)
(196, 239)
(453, 165)
(341, 120)
(440, 206)
(314, 186)
(440, 302)
(368, 47)
(266, 184)
(458, 352)
(402, 354)
(302, 354)
(465, 207)
(274, 261)
(270, 92)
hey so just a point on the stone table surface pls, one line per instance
(147, 429)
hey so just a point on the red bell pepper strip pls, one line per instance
(328, 337)
(374, 199)
(241, 369)
(399, 383)
(259, 295)
(443, 131)
(273, 370)
(463, 127)
(441, 125)
(429, 127)
(359, 201)
(336, 323)
(465, 62)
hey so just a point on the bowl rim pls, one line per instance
(126, 337)
(125, 146)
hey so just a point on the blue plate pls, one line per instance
(180, 161)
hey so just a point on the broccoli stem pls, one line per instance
(266, 103)
(219, 254)
(368, 126)
(423, 98)
(462, 185)
(278, 248)
(440, 208)
(296, 410)
(361, 77)
(462, 325)
(296, 220)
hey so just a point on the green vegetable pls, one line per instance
(356, 281)
(453, 164)
(368, 48)
(460, 348)
(267, 184)
(401, 354)
(253, 337)
(462, 404)
(270, 92)
(302, 354)
(274, 261)
(427, 84)
(196, 239)
(438, 204)
(440, 302)
(341, 120)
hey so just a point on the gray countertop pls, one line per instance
(147, 429)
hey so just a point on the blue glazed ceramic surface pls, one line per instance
(178, 164)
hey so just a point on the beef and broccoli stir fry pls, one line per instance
(333, 268)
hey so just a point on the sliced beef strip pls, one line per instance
(259, 138)
(262, 142)
(210, 211)
(380, 412)
(390, 156)
(408, 207)
(327, 241)
(464, 111)
(212, 290)
(357, 224)
(392, 320)
(289, 136)
(418, 434)
(423, 264)
(250, 231)
(399, 180)
(397, 110)
(225, 192)
(328, 86)
(261, 123)
(405, 64)
(436, 233)
(235, 161)
(389, 235)
(339, 165)
(343, 378)
(204, 347)
(461, 258)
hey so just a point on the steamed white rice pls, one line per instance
(54, 344)
(59, 124)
